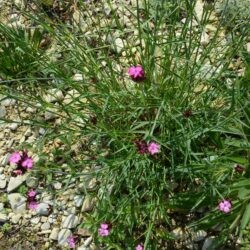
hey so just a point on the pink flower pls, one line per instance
(104, 230)
(33, 205)
(238, 168)
(18, 172)
(27, 163)
(15, 157)
(32, 193)
(71, 242)
(139, 247)
(141, 147)
(153, 148)
(136, 72)
(225, 206)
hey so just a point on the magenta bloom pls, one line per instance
(32, 193)
(33, 205)
(71, 242)
(104, 230)
(142, 147)
(153, 148)
(15, 157)
(139, 247)
(225, 206)
(136, 73)
(18, 172)
(27, 163)
(238, 168)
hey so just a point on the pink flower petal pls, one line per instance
(15, 157)
(153, 148)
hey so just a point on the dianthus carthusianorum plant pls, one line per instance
(159, 114)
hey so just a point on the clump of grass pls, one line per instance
(20, 52)
(197, 116)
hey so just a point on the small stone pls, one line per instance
(28, 132)
(31, 181)
(1, 206)
(71, 221)
(2, 112)
(78, 77)
(199, 235)
(27, 216)
(54, 233)
(199, 9)
(180, 233)
(35, 220)
(45, 226)
(3, 218)
(54, 95)
(44, 219)
(248, 47)
(47, 198)
(83, 232)
(205, 39)
(63, 235)
(107, 10)
(13, 126)
(119, 45)
(71, 210)
(17, 202)
(52, 218)
(88, 204)
(78, 200)
(42, 131)
(209, 243)
(50, 115)
(47, 245)
(210, 28)
(8, 102)
(16, 218)
(104, 63)
(3, 184)
(88, 241)
(71, 96)
(31, 110)
(57, 185)
(91, 184)
(43, 209)
(5, 160)
(15, 182)
(44, 232)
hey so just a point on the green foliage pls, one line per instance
(20, 52)
(5, 228)
(23, 189)
(245, 240)
(145, 196)
(235, 13)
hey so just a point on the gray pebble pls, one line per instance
(3, 184)
(35, 220)
(3, 218)
(2, 112)
(45, 226)
(15, 219)
(63, 235)
(17, 202)
(71, 221)
(13, 126)
(43, 209)
(15, 182)
(54, 233)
